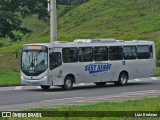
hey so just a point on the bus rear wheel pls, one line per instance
(44, 87)
(100, 83)
(68, 83)
(122, 80)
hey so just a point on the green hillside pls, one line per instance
(120, 19)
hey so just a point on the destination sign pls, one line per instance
(37, 47)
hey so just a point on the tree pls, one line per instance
(78, 2)
(64, 2)
(26, 7)
(71, 2)
(13, 11)
(9, 24)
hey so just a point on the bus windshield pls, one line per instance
(34, 61)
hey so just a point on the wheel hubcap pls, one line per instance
(68, 83)
(123, 79)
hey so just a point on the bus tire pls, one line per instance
(100, 83)
(68, 83)
(45, 87)
(122, 80)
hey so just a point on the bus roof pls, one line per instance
(94, 42)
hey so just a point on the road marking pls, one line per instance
(18, 88)
(6, 90)
(62, 99)
(140, 92)
(38, 87)
(128, 94)
(137, 79)
(114, 96)
(81, 84)
(154, 78)
(93, 99)
(64, 92)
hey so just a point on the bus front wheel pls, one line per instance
(68, 83)
(122, 80)
(45, 87)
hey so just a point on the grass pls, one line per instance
(118, 19)
(147, 104)
(157, 71)
(9, 78)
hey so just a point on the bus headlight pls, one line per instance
(22, 78)
(45, 77)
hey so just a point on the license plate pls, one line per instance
(31, 83)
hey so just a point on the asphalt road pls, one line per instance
(22, 97)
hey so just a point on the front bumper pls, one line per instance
(39, 82)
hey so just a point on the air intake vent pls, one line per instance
(103, 40)
(83, 41)
(97, 40)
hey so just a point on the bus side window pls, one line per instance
(129, 52)
(70, 55)
(55, 60)
(100, 53)
(143, 52)
(115, 53)
(85, 54)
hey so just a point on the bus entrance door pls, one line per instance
(55, 68)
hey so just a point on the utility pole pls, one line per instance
(68, 2)
(53, 20)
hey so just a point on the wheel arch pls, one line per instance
(124, 71)
(72, 76)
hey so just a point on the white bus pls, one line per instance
(86, 61)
